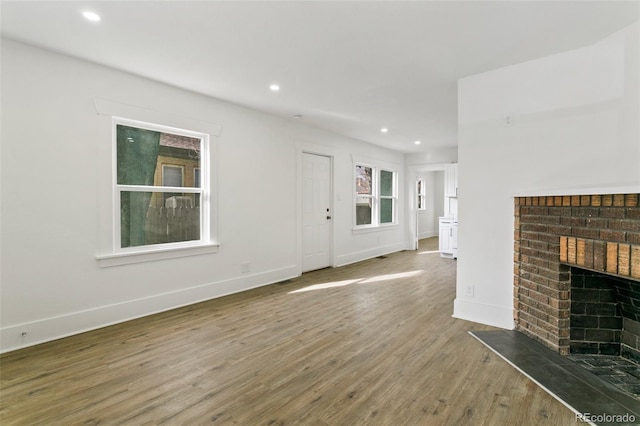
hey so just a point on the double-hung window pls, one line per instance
(160, 185)
(375, 196)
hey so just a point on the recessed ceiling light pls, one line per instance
(274, 87)
(384, 130)
(91, 16)
(417, 142)
(298, 116)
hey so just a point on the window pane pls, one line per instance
(386, 210)
(182, 154)
(137, 155)
(143, 154)
(386, 183)
(363, 210)
(151, 218)
(363, 180)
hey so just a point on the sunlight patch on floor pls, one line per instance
(429, 252)
(391, 277)
(378, 278)
(322, 286)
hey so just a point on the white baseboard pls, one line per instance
(359, 256)
(45, 330)
(495, 316)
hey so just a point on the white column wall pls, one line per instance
(563, 124)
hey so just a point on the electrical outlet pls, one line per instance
(469, 291)
(245, 267)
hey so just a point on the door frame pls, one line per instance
(313, 149)
(414, 172)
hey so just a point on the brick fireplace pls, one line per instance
(577, 272)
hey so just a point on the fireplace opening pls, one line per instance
(604, 327)
(604, 315)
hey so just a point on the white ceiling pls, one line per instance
(352, 67)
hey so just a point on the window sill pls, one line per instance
(374, 228)
(128, 258)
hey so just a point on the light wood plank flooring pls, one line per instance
(372, 343)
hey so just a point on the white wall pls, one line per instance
(433, 156)
(574, 129)
(51, 283)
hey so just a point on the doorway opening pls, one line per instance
(429, 204)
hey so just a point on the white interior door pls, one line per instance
(316, 212)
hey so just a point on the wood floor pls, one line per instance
(372, 343)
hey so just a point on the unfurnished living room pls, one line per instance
(320, 212)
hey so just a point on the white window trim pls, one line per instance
(148, 255)
(109, 251)
(203, 190)
(375, 225)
